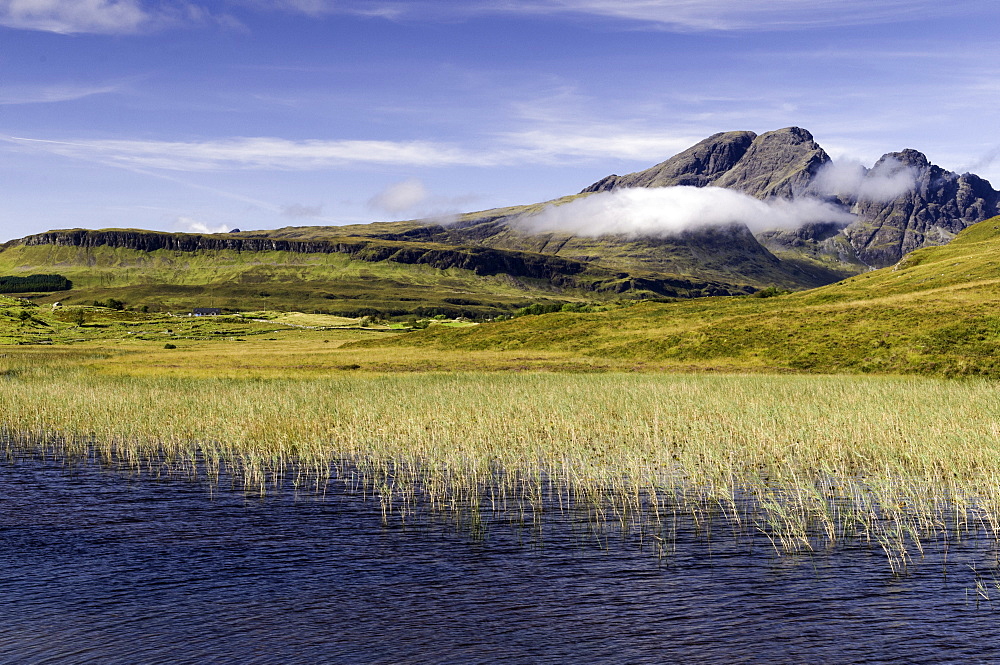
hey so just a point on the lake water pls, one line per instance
(99, 567)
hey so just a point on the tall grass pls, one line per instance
(808, 461)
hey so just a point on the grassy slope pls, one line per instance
(710, 255)
(334, 283)
(271, 345)
(388, 276)
(936, 312)
(709, 262)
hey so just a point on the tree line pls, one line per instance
(13, 284)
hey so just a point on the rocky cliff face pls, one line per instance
(481, 260)
(788, 163)
(557, 271)
(940, 204)
(779, 163)
(698, 166)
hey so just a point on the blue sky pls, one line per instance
(209, 115)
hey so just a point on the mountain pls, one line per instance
(789, 164)
(941, 204)
(490, 262)
(775, 164)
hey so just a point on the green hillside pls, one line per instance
(397, 269)
(729, 257)
(937, 312)
(164, 280)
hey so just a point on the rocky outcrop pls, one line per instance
(481, 260)
(151, 241)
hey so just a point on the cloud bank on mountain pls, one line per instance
(670, 210)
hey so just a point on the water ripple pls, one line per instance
(100, 568)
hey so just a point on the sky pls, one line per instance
(198, 115)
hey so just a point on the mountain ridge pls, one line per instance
(900, 204)
(788, 163)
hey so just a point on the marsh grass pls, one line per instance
(806, 462)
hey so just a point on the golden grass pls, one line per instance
(809, 461)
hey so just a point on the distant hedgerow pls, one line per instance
(11, 284)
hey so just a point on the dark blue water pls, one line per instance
(97, 567)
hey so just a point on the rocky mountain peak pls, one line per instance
(773, 164)
(777, 164)
(907, 157)
(788, 136)
(698, 166)
(903, 202)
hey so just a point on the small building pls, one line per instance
(206, 311)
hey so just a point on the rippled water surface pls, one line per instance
(99, 567)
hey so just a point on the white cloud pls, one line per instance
(741, 15)
(70, 16)
(107, 16)
(412, 198)
(981, 161)
(263, 153)
(129, 16)
(269, 153)
(887, 181)
(194, 226)
(669, 210)
(840, 177)
(585, 142)
(848, 178)
(400, 197)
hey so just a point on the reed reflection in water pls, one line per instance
(104, 567)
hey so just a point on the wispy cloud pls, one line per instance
(107, 16)
(545, 145)
(982, 161)
(741, 15)
(14, 95)
(372, 8)
(683, 15)
(69, 16)
(130, 16)
(269, 153)
(550, 146)
(262, 153)
(400, 197)
(411, 197)
(848, 178)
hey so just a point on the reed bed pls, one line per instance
(807, 461)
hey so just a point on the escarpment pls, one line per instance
(556, 271)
